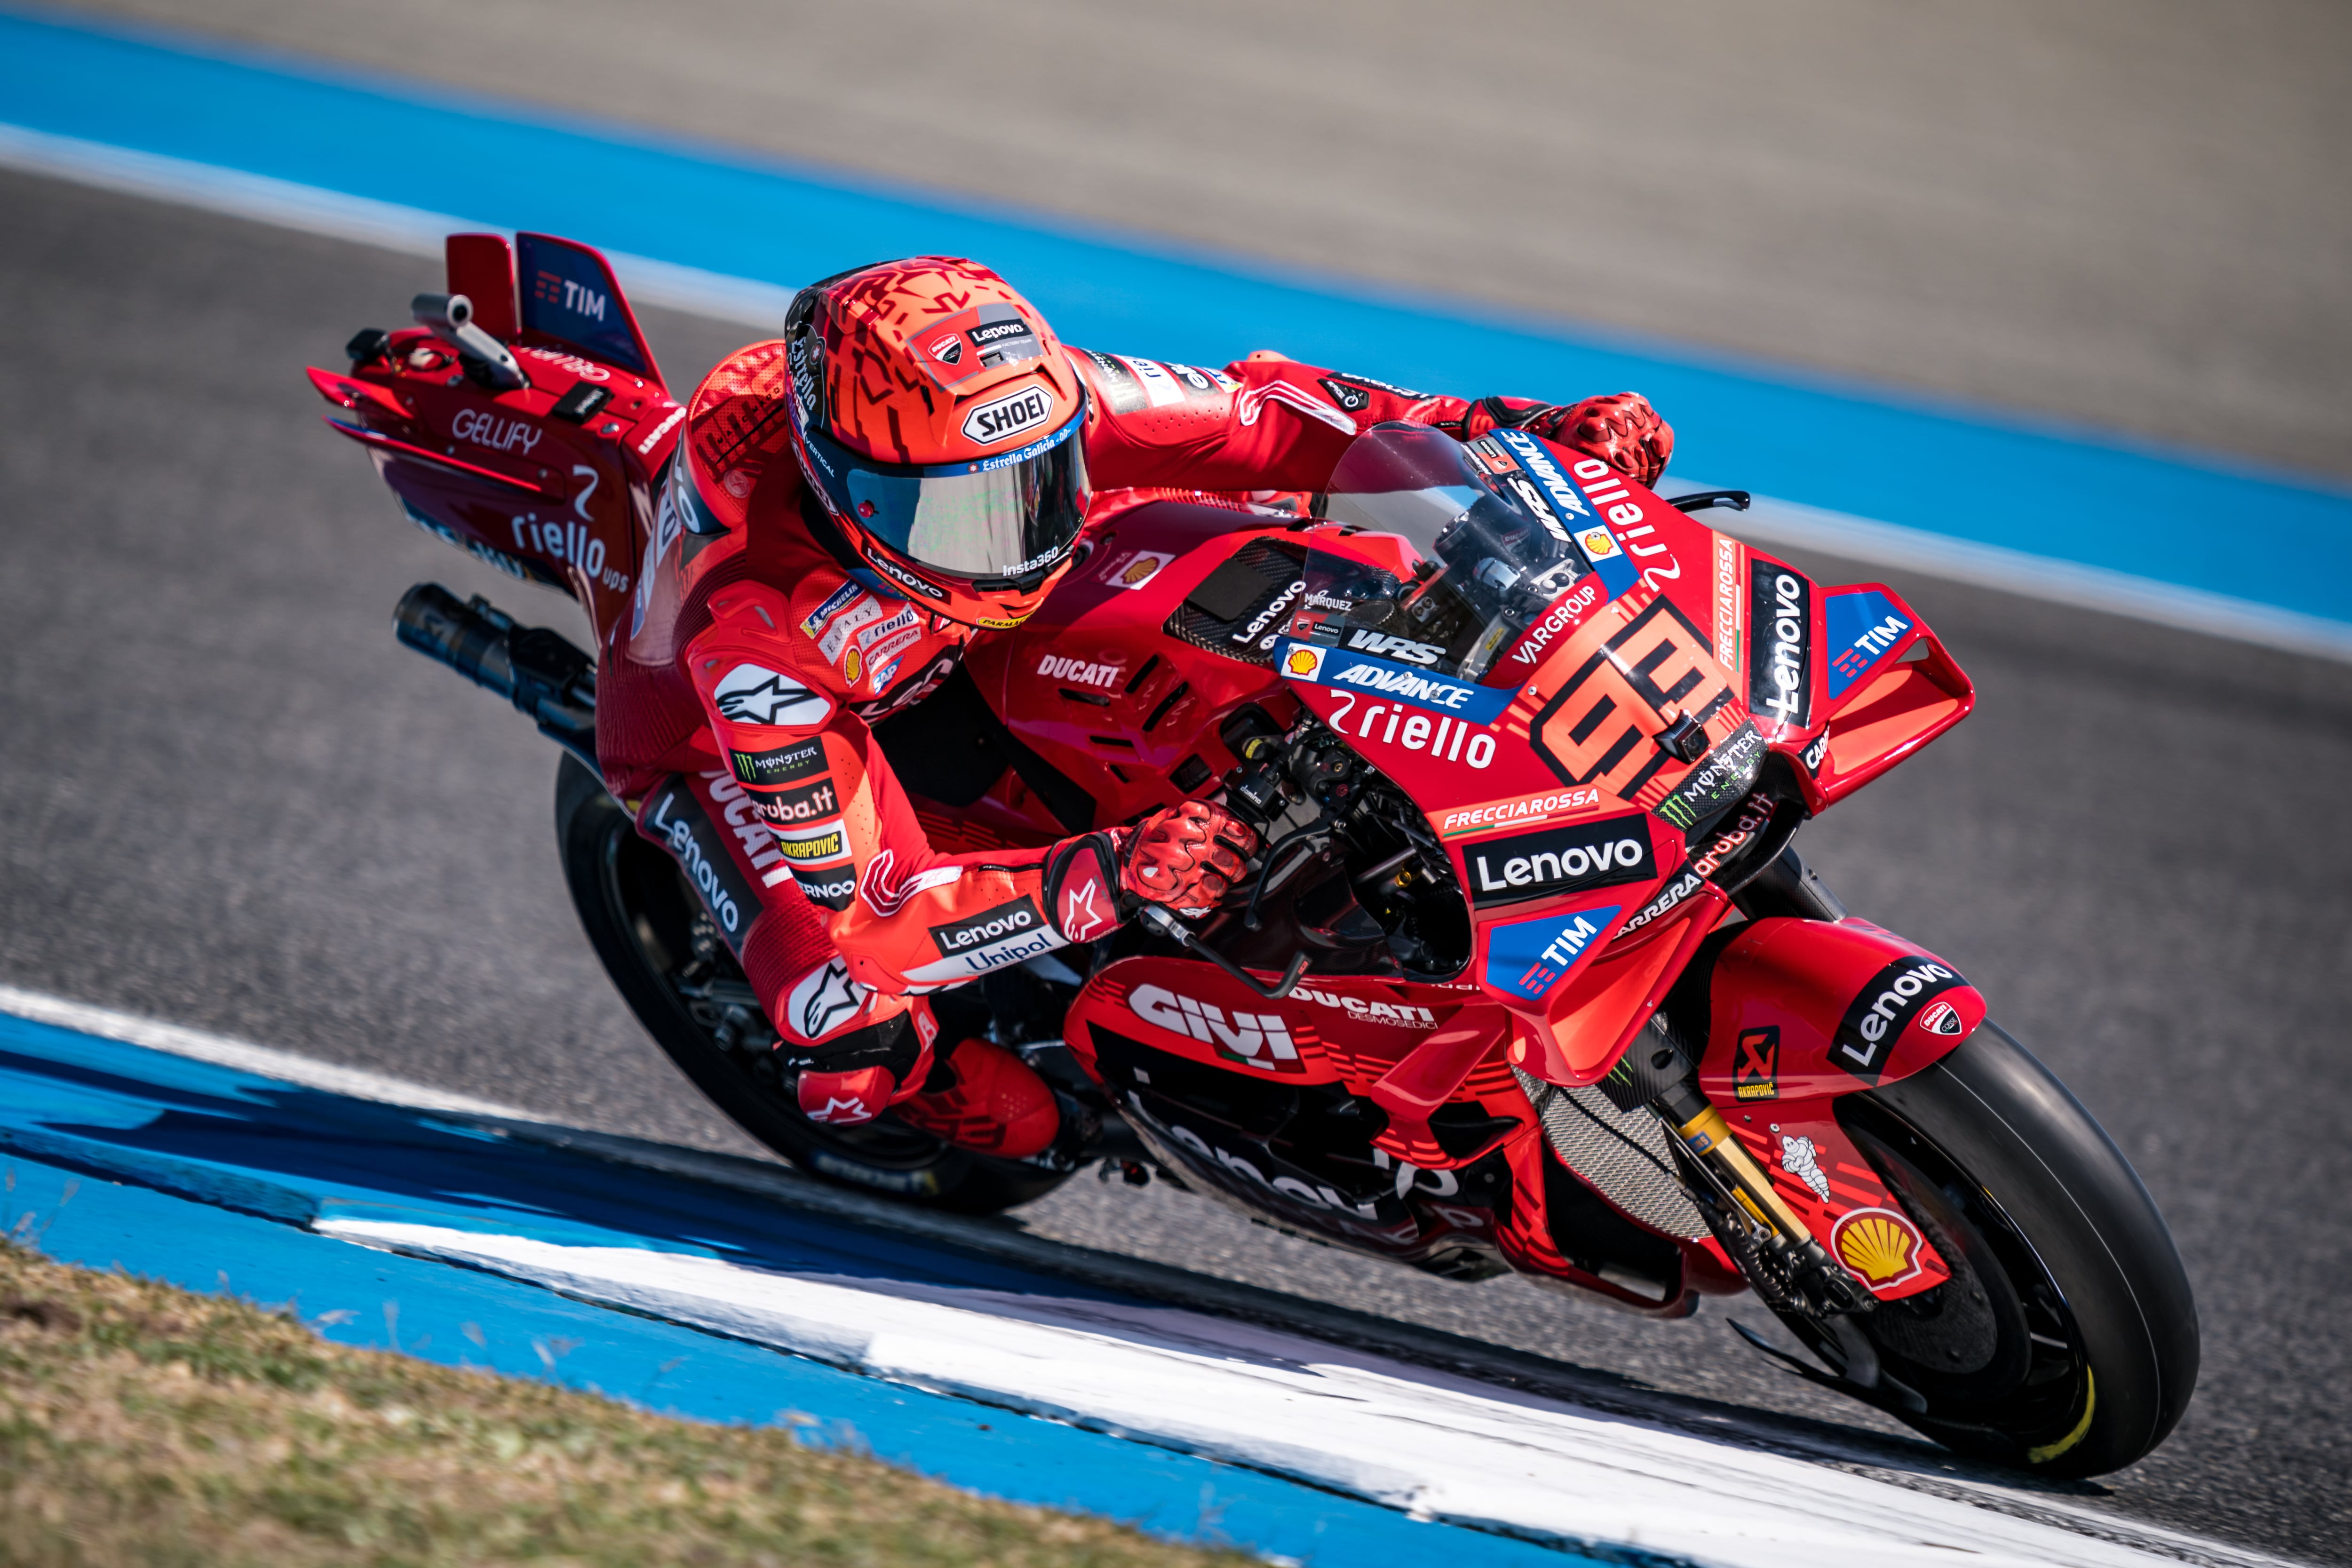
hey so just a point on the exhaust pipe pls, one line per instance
(540, 671)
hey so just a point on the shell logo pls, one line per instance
(1880, 1245)
(1302, 663)
(1598, 543)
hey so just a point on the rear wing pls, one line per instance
(550, 293)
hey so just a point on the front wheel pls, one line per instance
(666, 960)
(2066, 1340)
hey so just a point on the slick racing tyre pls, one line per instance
(2066, 1340)
(682, 982)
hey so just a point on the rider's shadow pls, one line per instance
(299, 1155)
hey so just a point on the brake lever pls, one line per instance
(1266, 868)
(1161, 920)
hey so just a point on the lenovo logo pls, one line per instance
(1778, 683)
(1560, 861)
(1883, 1007)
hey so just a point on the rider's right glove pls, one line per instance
(1621, 429)
(1185, 856)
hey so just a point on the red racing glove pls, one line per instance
(1186, 856)
(1622, 430)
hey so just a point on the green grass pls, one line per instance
(141, 1424)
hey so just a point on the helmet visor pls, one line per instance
(1000, 517)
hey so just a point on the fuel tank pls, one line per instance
(1152, 658)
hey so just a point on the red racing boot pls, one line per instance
(983, 1097)
(846, 1099)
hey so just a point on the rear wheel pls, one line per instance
(666, 958)
(2066, 1340)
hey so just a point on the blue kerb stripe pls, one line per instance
(377, 1300)
(208, 1176)
(2268, 539)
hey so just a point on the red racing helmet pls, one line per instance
(941, 426)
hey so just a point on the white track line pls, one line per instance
(1776, 524)
(1434, 1446)
(387, 225)
(263, 1061)
(1785, 525)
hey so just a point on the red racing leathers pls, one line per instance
(749, 622)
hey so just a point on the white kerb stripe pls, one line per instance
(246, 1056)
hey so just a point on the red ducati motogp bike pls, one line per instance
(1528, 975)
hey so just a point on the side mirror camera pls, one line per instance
(451, 319)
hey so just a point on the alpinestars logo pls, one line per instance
(823, 1000)
(1261, 1039)
(1884, 1007)
(755, 694)
(1086, 910)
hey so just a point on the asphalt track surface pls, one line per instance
(234, 803)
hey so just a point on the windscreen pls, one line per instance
(1458, 551)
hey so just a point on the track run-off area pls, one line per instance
(237, 805)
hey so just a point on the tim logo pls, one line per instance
(1008, 416)
(1597, 728)
(576, 297)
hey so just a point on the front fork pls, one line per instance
(1766, 1228)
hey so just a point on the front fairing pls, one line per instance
(1587, 752)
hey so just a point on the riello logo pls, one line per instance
(1261, 1039)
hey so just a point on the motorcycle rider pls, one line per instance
(908, 467)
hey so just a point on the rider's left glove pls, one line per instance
(1185, 856)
